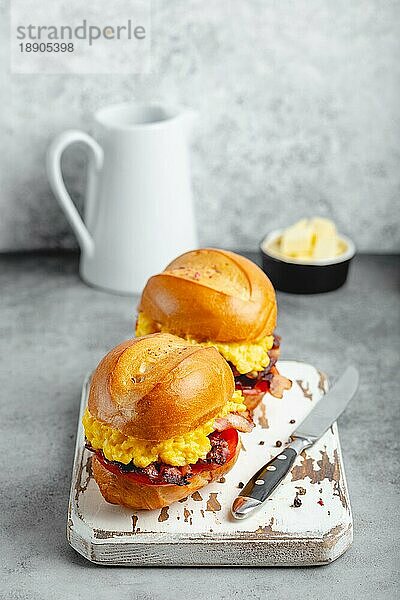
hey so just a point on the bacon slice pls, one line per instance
(278, 384)
(251, 384)
(173, 475)
(239, 421)
(219, 452)
(274, 354)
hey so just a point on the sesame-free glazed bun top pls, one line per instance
(158, 386)
(212, 294)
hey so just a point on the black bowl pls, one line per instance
(311, 277)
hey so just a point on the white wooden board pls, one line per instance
(307, 521)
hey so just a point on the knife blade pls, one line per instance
(323, 415)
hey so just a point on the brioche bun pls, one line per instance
(212, 294)
(120, 489)
(158, 386)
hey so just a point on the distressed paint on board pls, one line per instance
(306, 521)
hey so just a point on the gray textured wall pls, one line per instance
(300, 114)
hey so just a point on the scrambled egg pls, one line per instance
(178, 451)
(246, 356)
(249, 356)
(146, 326)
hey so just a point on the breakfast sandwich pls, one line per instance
(162, 420)
(215, 298)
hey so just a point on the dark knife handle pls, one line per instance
(265, 481)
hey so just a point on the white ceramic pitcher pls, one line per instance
(138, 212)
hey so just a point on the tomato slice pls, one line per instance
(231, 436)
(136, 477)
(261, 387)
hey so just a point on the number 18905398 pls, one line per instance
(46, 47)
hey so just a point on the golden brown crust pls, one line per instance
(120, 489)
(158, 386)
(212, 294)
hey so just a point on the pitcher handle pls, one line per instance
(56, 180)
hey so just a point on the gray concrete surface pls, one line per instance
(299, 114)
(53, 329)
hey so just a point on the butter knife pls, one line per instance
(327, 410)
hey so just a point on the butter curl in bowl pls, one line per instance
(308, 257)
